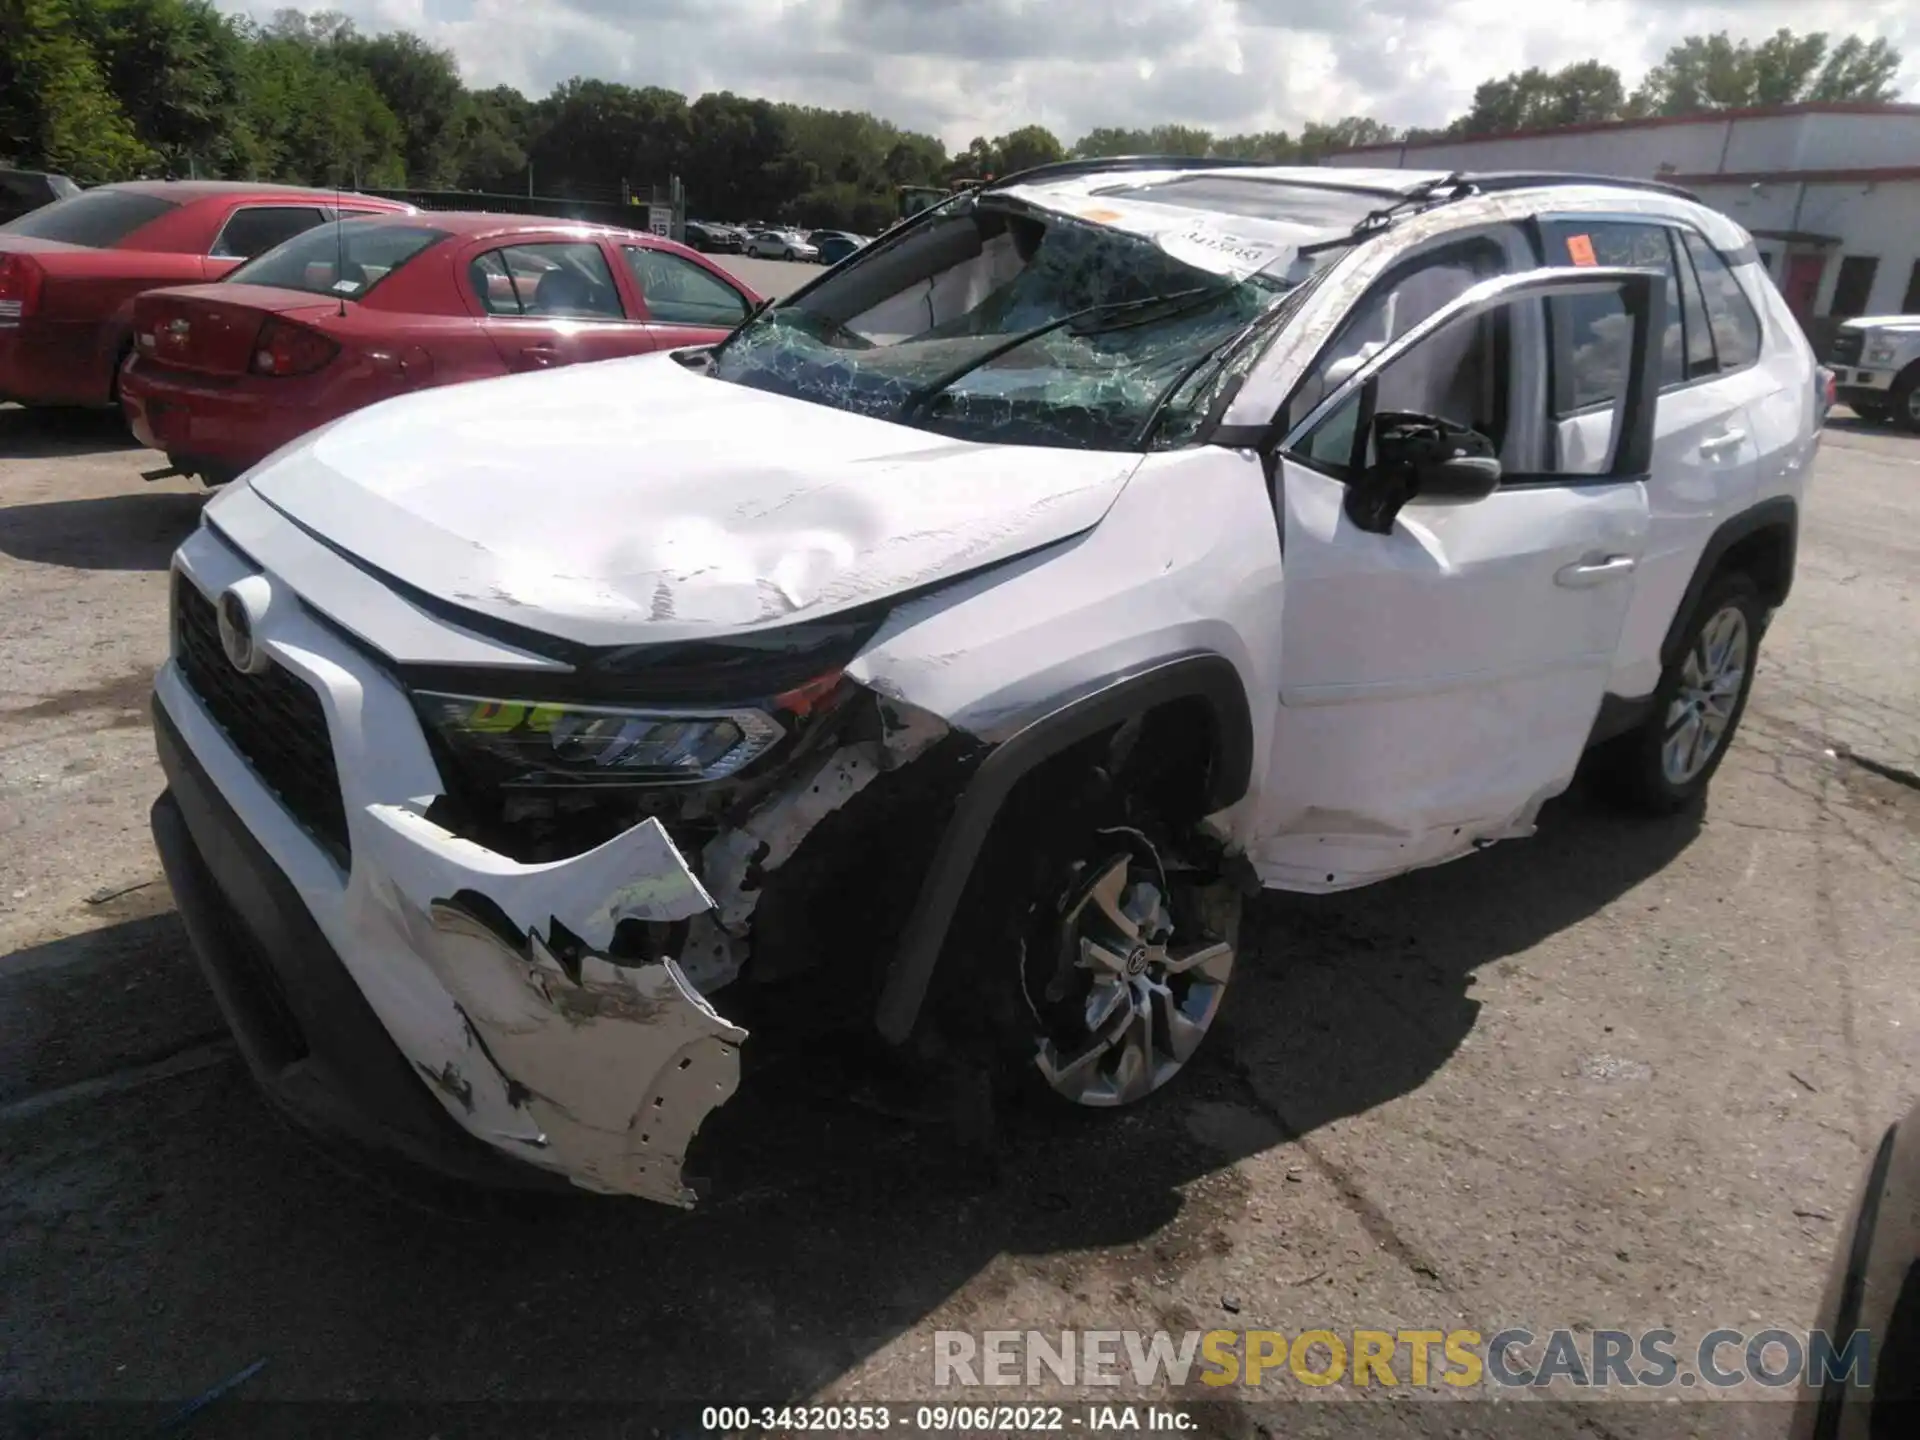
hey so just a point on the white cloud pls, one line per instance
(961, 68)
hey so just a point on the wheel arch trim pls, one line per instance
(1205, 676)
(1779, 514)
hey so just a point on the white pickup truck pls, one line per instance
(1876, 365)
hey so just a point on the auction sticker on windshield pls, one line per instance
(1208, 247)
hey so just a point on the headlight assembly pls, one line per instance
(1880, 352)
(529, 744)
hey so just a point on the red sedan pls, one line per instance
(223, 375)
(69, 270)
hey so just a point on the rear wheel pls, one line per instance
(1667, 763)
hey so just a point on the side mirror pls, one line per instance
(1420, 457)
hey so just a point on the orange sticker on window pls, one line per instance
(1580, 249)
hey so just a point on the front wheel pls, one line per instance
(1124, 975)
(1668, 762)
(791, 255)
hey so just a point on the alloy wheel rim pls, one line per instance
(1701, 711)
(1145, 999)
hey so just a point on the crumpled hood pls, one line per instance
(636, 500)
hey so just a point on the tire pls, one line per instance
(1653, 769)
(1059, 1025)
(791, 255)
(1906, 399)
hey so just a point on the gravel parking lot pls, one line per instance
(1621, 1075)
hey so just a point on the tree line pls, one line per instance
(114, 89)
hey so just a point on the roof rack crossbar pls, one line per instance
(1092, 164)
(1493, 181)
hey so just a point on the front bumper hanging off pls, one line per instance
(495, 1058)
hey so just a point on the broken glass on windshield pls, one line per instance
(1003, 321)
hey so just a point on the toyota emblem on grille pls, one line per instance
(236, 635)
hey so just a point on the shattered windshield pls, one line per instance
(1002, 320)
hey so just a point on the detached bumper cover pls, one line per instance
(435, 998)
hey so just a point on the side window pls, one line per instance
(1589, 358)
(1590, 335)
(256, 229)
(1425, 381)
(678, 292)
(1736, 329)
(558, 281)
(1700, 359)
(1459, 374)
(1399, 300)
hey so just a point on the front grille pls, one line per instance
(1846, 347)
(273, 718)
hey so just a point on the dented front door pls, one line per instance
(1439, 679)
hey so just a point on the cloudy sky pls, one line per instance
(960, 68)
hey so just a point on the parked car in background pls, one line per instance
(1876, 364)
(780, 245)
(69, 271)
(24, 190)
(711, 239)
(835, 245)
(339, 317)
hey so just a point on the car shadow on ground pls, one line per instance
(830, 1230)
(109, 532)
(53, 433)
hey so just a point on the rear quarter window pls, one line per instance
(97, 218)
(1730, 316)
(347, 258)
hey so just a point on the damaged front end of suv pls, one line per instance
(539, 750)
(532, 910)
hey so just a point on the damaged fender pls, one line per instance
(736, 861)
(580, 1062)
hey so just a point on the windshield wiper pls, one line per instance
(1284, 308)
(926, 394)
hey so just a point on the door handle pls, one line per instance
(1584, 573)
(1719, 444)
(538, 357)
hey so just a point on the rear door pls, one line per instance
(552, 302)
(685, 303)
(1705, 451)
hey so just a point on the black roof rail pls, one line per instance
(1092, 164)
(1493, 181)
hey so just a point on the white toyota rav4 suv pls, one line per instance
(945, 654)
